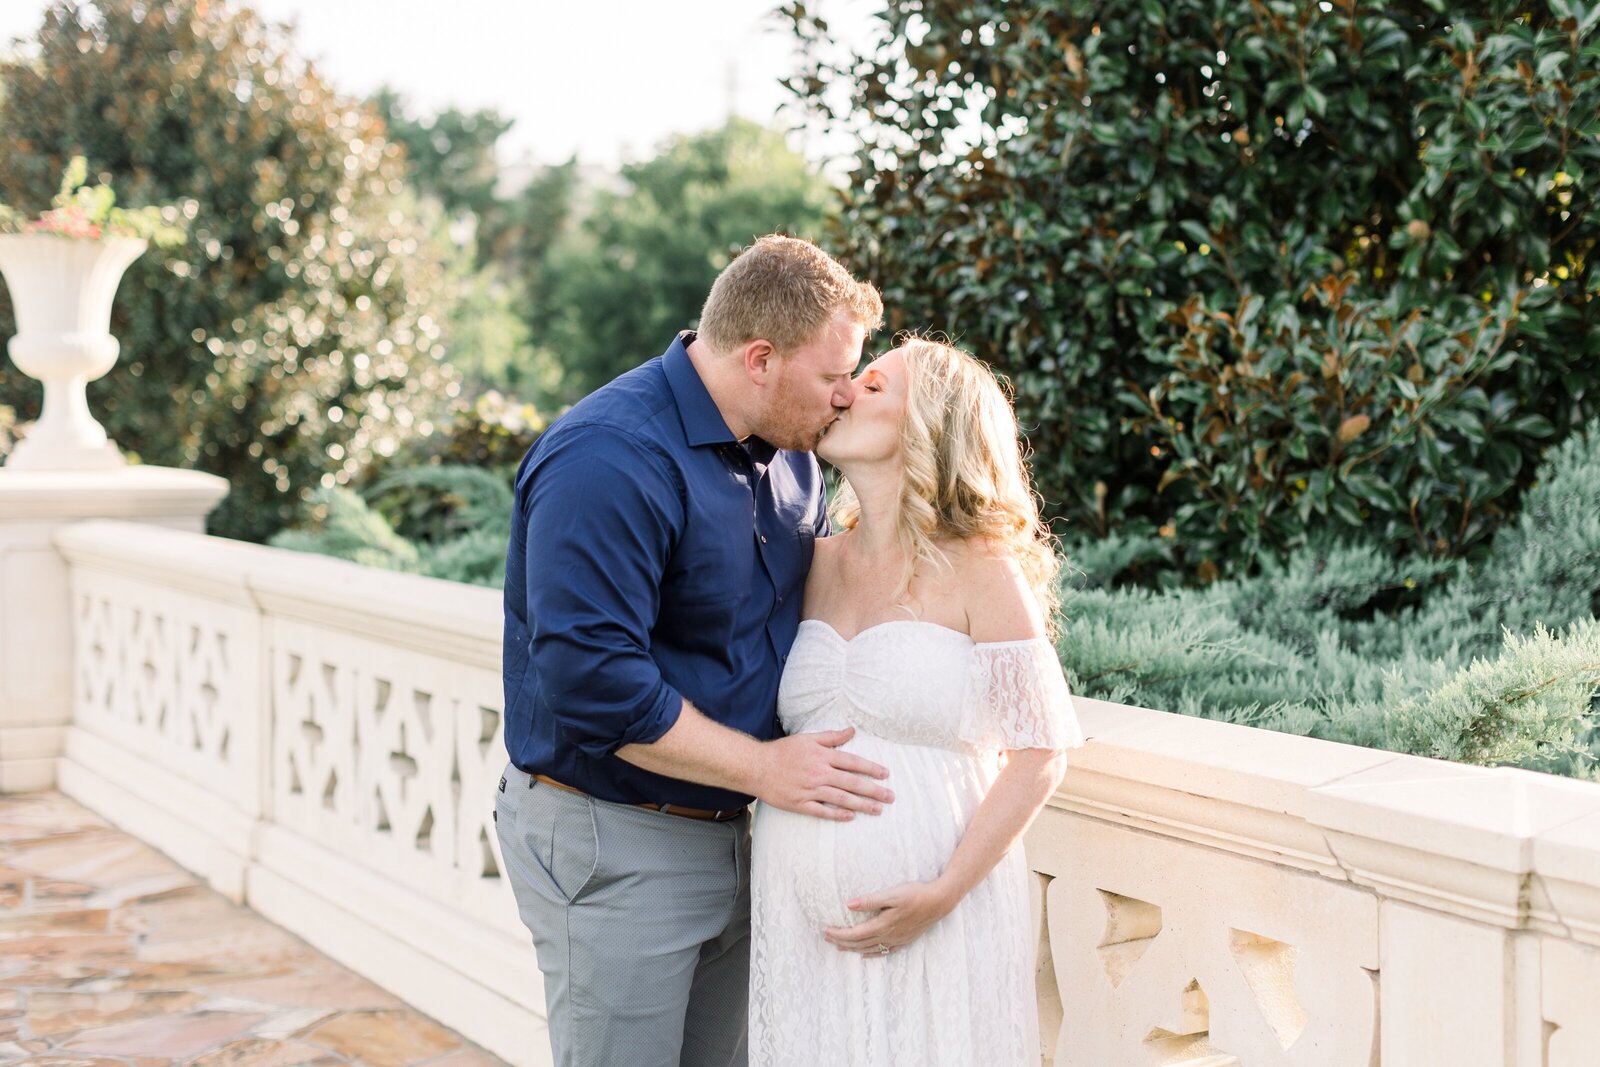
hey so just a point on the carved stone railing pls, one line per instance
(321, 740)
(1214, 894)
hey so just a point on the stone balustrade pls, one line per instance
(321, 740)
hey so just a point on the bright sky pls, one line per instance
(607, 80)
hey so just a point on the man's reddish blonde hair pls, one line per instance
(784, 290)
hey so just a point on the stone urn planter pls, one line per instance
(61, 290)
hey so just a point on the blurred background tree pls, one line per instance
(450, 156)
(591, 277)
(300, 331)
(1296, 295)
(541, 212)
(637, 267)
(1255, 269)
(451, 161)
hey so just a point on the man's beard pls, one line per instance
(784, 430)
(793, 437)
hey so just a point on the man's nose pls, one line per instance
(844, 396)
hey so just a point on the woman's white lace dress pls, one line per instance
(935, 708)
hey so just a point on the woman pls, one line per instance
(904, 938)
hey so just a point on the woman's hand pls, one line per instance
(904, 913)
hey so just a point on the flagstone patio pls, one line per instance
(110, 953)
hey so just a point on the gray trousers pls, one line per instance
(641, 922)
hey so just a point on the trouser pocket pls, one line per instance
(549, 839)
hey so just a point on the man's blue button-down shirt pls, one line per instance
(653, 558)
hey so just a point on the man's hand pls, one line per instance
(807, 774)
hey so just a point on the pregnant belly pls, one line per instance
(824, 864)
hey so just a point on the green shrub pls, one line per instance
(440, 504)
(342, 525)
(459, 517)
(1498, 664)
(1493, 663)
(1545, 567)
(1532, 706)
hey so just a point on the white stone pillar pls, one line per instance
(35, 608)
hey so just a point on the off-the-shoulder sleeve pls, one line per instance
(1018, 698)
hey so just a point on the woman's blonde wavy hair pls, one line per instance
(964, 475)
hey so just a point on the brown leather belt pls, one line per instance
(666, 809)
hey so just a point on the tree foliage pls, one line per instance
(449, 155)
(1255, 268)
(637, 268)
(299, 331)
(500, 243)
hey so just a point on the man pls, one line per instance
(659, 548)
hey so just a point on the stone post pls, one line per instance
(36, 621)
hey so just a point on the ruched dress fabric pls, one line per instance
(937, 709)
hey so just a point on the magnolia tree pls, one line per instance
(1255, 268)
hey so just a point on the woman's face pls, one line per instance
(870, 430)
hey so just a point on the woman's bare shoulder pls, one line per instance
(995, 592)
(977, 558)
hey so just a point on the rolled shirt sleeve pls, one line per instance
(604, 513)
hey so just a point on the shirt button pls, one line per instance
(763, 538)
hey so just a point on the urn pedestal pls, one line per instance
(62, 472)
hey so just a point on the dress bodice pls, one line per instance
(920, 683)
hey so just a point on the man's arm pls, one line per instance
(603, 514)
(805, 773)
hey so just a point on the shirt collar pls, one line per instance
(702, 422)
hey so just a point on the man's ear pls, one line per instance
(760, 360)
